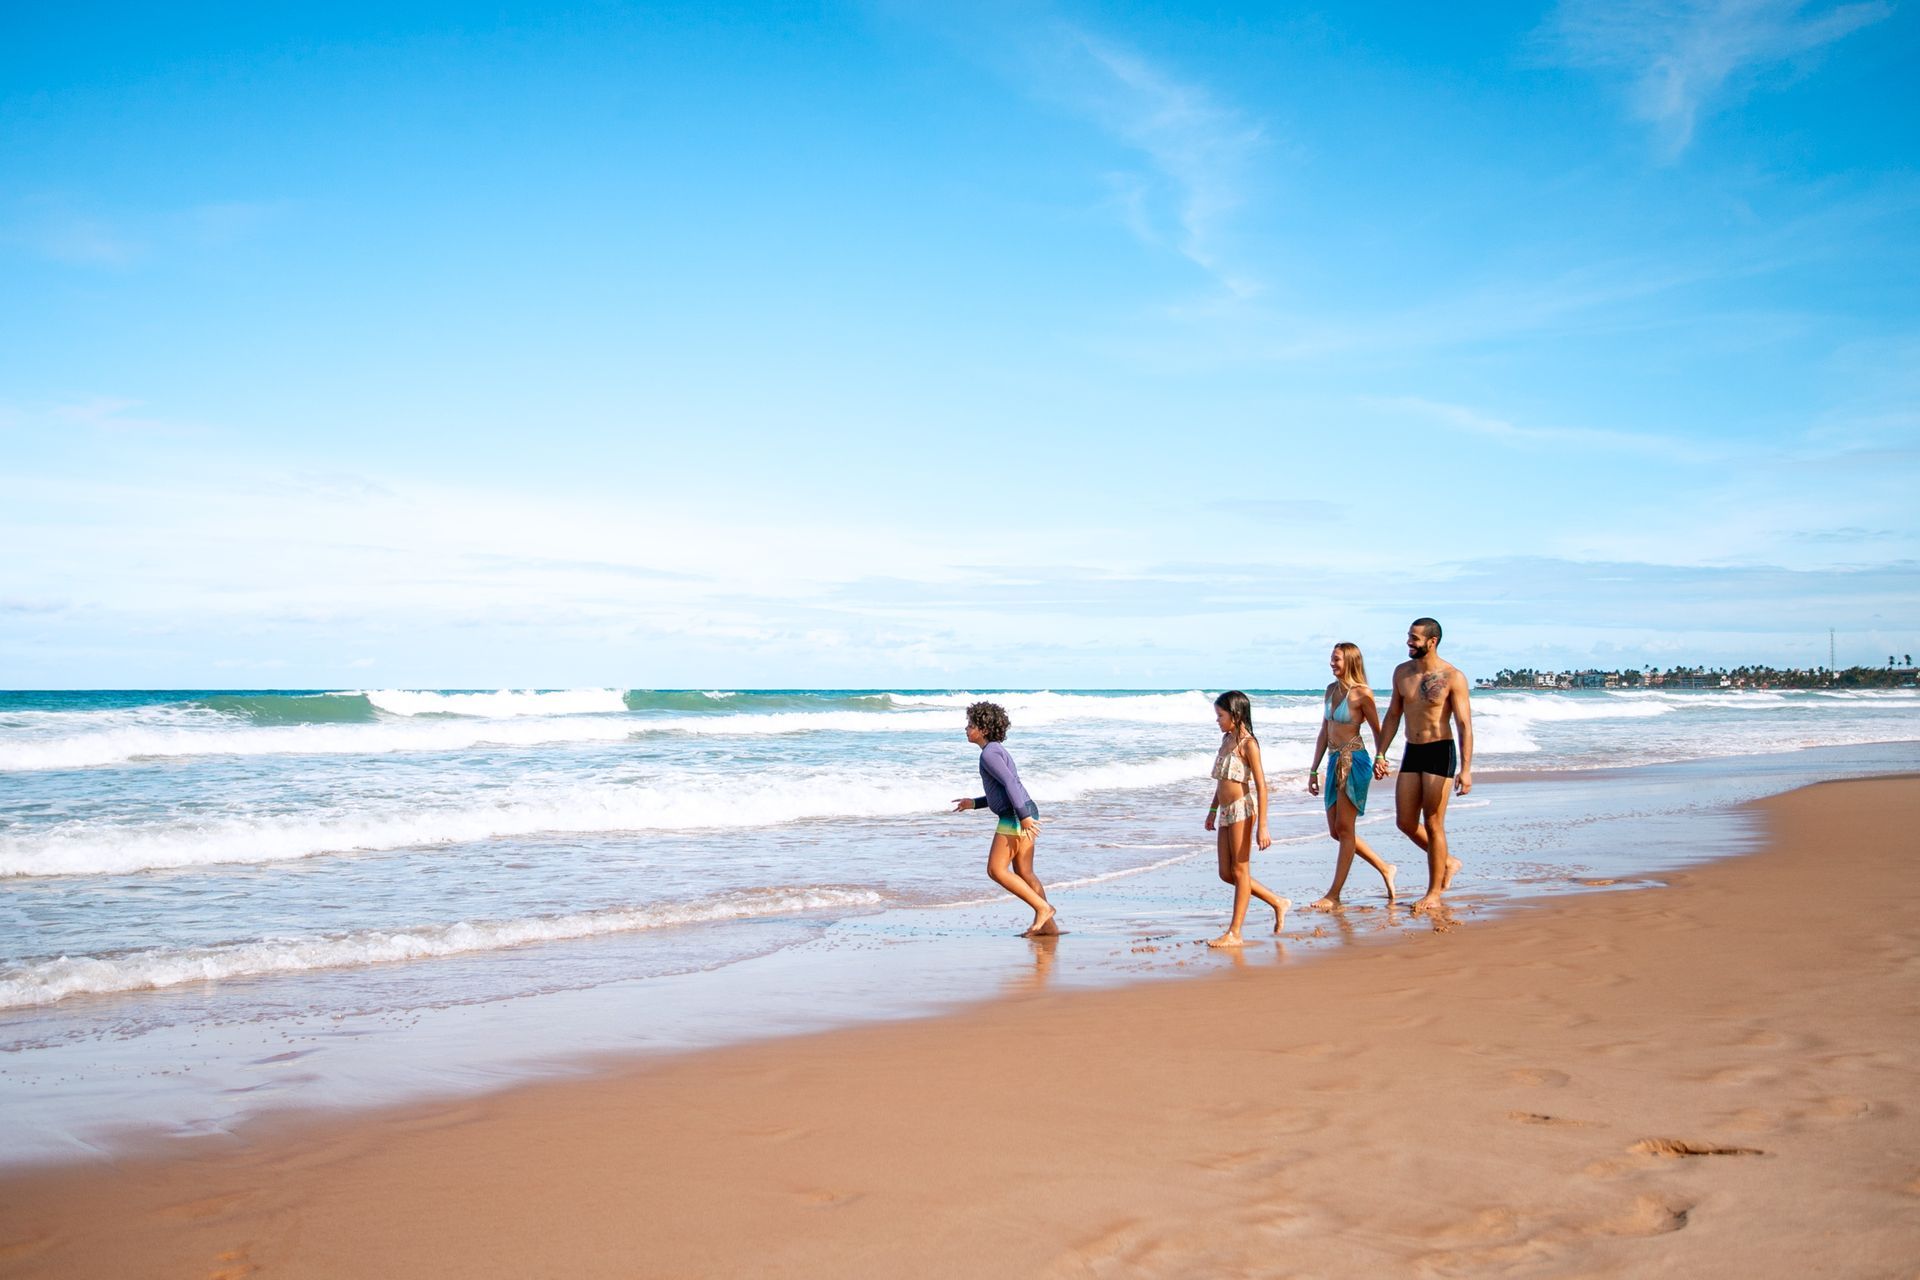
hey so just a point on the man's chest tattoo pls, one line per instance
(1433, 687)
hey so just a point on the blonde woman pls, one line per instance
(1349, 705)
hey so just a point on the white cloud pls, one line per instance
(1478, 423)
(1682, 56)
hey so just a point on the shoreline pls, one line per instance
(126, 1075)
(1254, 1119)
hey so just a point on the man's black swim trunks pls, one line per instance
(1430, 757)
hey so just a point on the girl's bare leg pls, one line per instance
(1235, 847)
(1000, 871)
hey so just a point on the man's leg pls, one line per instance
(1435, 792)
(1409, 793)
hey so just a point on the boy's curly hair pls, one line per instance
(990, 718)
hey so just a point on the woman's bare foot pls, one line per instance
(1280, 914)
(1327, 903)
(1446, 880)
(1429, 902)
(1388, 876)
(1042, 923)
(1049, 929)
(1227, 939)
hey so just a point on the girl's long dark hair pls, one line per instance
(1239, 709)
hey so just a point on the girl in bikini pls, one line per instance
(1010, 856)
(1349, 704)
(1239, 806)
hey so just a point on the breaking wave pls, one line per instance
(49, 981)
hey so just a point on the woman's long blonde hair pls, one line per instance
(1354, 665)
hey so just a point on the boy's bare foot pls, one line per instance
(1280, 914)
(1388, 875)
(1042, 923)
(1428, 903)
(1327, 903)
(1227, 939)
(1446, 878)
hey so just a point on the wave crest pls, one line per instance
(50, 981)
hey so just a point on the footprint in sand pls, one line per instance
(1649, 1216)
(824, 1199)
(1547, 1076)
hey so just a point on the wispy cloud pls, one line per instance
(1478, 423)
(1681, 56)
(1198, 149)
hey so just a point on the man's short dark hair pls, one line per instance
(1428, 628)
(990, 718)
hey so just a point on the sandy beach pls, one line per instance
(1714, 1076)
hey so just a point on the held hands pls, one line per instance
(1379, 768)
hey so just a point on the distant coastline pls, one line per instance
(1891, 676)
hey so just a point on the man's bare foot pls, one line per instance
(1388, 876)
(1446, 877)
(1428, 903)
(1042, 923)
(1327, 903)
(1280, 914)
(1227, 939)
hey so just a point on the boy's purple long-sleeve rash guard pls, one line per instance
(1005, 796)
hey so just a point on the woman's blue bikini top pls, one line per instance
(1342, 714)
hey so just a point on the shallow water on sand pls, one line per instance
(1131, 870)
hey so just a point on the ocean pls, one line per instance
(188, 868)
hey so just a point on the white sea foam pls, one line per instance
(687, 803)
(49, 981)
(506, 702)
(1047, 707)
(216, 735)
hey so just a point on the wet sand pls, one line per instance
(1717, 1076)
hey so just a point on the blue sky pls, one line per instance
(959, 346)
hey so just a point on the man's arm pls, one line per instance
(1396, 708)
(1463, 717)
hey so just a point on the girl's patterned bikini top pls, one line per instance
(1228, 766)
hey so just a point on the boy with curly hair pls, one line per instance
(1010, 857)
